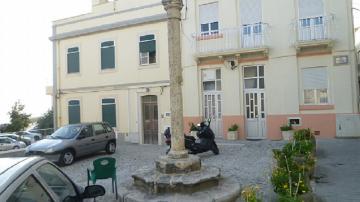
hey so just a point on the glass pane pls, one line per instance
(218, 74)
(322, 96)
(152, 57)
(218, 85)
(74, 114)
(261, 70)
(309, 97)
(209, 85)
(99, 129)
(261, 83)
(147, 37)
(108, 101)
(204, 27)
(263, 115)
(257, 28)
(107, 43)
(247, 99)
(57, 181)
(156, 112)
(256, 112)
(147, 46)
(250, 83)
(250, 72)
(75, 49)
(214, 26)
(318, 20)
(74, 102)
(247, 112)
(29, 190)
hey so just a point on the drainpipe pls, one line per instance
(54, 94)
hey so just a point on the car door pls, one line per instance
(84, 142)
(2, 145)
(7, 144)
(101, 136)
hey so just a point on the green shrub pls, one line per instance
(286, 127)
(250, 194)
(233, 127)
(303, 134)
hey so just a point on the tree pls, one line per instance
(46, 120)
(19, 120)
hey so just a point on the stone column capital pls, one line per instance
(173, 8)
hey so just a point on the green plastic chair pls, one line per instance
(104, 168)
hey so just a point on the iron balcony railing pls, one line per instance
(314, 28)
(246, 37)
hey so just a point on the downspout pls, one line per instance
(55, 109)
(129, 116)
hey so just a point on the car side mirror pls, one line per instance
(93, 191)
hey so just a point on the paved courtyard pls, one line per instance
(249, 162)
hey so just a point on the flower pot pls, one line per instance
(232, 135)
(287, 135)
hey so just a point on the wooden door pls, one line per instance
(150, 119)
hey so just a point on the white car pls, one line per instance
(34, 179)
(7, 143)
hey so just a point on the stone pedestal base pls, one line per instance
(168, 165)
(226, 190)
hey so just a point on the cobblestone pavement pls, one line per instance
(338, 170)
(249, 162)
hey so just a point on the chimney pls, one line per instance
(98, 2)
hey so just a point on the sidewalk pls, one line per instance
(338, 170)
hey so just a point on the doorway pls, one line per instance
(150, 119)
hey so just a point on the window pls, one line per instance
(87, 131)
(99, 129)
(147, 47)
(73, 60)
(29, 190)
(74, 111)
(57, 181)
(109, 111)
(254, 77)
(315, 85)
(310, 8)
(107, 55)
(209, 19)
(212, 80)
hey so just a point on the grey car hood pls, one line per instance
(46, 144)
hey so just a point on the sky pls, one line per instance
(26, 51)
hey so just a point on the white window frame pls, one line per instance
(258, 77)
(317, 100)
(67, 62)
(208, 23)
(216, 81)
(147, 54)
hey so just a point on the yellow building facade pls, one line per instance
(258, 64)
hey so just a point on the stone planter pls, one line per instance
(232, 135)
(287, 135)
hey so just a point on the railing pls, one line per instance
(314, 28)
(245, 37)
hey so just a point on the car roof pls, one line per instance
(12, 168)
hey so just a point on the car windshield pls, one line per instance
(66, 132)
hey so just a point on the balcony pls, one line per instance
(314, 34)
(244, 41)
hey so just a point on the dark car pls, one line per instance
(74, 140)
(36, 179)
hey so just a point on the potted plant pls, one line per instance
(193, 130)
(233, 132)
(287, 132)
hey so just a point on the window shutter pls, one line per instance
(315, 78)
(209, 13)
(109, 111)
(108, 58)
(250, 11)
(310, 8)
(74, 111)
(73, 60)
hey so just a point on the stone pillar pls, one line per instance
(173, 9)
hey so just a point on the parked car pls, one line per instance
(7, 143)
(36, 179)
(75, 140)
(24, 139)
(33, 136)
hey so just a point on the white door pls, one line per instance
(212, 110)
(255, 115)
(254, 100)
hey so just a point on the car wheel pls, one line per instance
(16, 147)
(67, 157)
(110, 147)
